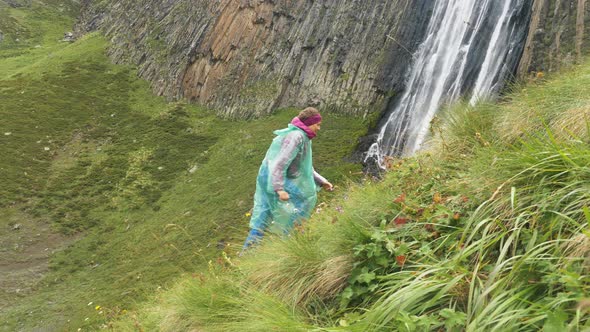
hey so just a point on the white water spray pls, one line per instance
(470, 46)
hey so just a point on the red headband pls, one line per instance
(316, 118)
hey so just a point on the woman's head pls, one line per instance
(311, 118)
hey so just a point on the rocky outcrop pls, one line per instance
(247, 58)
(17, 3)
(559, 35)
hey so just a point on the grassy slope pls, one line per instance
(487, 231)
(150, 189)
(32, 33)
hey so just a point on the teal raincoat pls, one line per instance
(287, 166)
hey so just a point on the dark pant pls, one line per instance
(254, 237)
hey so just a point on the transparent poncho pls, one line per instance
(287, 166)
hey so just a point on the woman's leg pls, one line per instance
(254, 237)
(261, 214)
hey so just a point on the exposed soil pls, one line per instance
(25, 248)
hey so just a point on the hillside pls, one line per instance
(122, 210)
(110, 193)
(485, 231)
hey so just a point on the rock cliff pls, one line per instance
(559, 34)
(245, 58)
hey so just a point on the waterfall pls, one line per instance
(471, 46)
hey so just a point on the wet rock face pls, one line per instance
(17, 3)
(245, 58)
(559, 34)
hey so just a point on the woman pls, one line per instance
(287, 184)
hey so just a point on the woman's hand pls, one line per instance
(283, 195)
(328, 186)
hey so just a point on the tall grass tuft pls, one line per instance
(297, 269)
(218, 303)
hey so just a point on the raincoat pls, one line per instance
(287, 166)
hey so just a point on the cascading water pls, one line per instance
(471, 46)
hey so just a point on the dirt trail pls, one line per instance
(25, 248)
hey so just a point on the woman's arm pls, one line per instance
(319, 179)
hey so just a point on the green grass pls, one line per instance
(148, 190)
(38, 28)
(486, 231)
